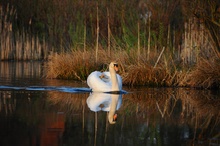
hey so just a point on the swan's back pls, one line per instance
(102, 85)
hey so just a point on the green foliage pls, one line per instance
(161, 35)
(129, 38)
(64, 22)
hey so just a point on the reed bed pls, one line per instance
(144, 74)
(206, 74)
(78, 65)
(19, 45)
(74, 65)
(79, 37)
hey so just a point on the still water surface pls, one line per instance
(41, 112)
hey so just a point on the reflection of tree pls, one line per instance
(197, 110)
(201, 110)
(77, 111)
(154, 117)
(26, 118)
(7, 104)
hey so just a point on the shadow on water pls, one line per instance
(47, 113)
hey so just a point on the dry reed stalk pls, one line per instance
(149, 39)
(196, 42)
(159, 57)
(109, 34)
(18, 45)
(205, 75)
(97, 33)
(84, 43)
(139, 47)
(180, 78)
(70, 65)
(73, 66)
(144, 74)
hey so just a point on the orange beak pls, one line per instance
(116, 68)
(115, 117)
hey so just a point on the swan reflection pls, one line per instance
(105, 102)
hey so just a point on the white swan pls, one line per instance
(112, 116)
(105, 81)
(101, 101)
(105, 102)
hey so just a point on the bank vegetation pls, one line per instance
(156, 43)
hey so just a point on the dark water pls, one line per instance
(39, 112)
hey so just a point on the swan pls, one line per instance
(105, 102)
(98, 101)
(112, 116)
(105, 81)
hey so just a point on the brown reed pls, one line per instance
(74, 65)
(78, 65)
(21, 45)
(145, 74)
(205, 75)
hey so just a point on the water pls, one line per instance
(44, 112)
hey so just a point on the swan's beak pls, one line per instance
(115, 117)
(116, 67)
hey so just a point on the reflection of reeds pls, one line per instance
(197, 109)
(72, 104)
(200, 107)
(201, 110)
(163, 103)
(11, 70)
(7, 104)
(193, 107)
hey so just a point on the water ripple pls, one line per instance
(49, 88)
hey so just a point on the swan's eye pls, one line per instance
(115, 65)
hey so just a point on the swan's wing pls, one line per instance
(95, 99)
(96, 83)
(106, 77)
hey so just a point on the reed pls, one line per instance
(122, 30)
(205, 75)
(144, 74)
(161, 72)
(19, 45)
(73, 65)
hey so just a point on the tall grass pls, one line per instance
(19, 45)
(116, 31)
(112, 23)
(74, 66)
(206, 74)
(161, 70)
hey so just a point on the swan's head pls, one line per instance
(114, 65)
(113, 119)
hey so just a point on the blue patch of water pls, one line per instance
(49, 88)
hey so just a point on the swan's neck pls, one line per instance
(114, 80)
(113, 107)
